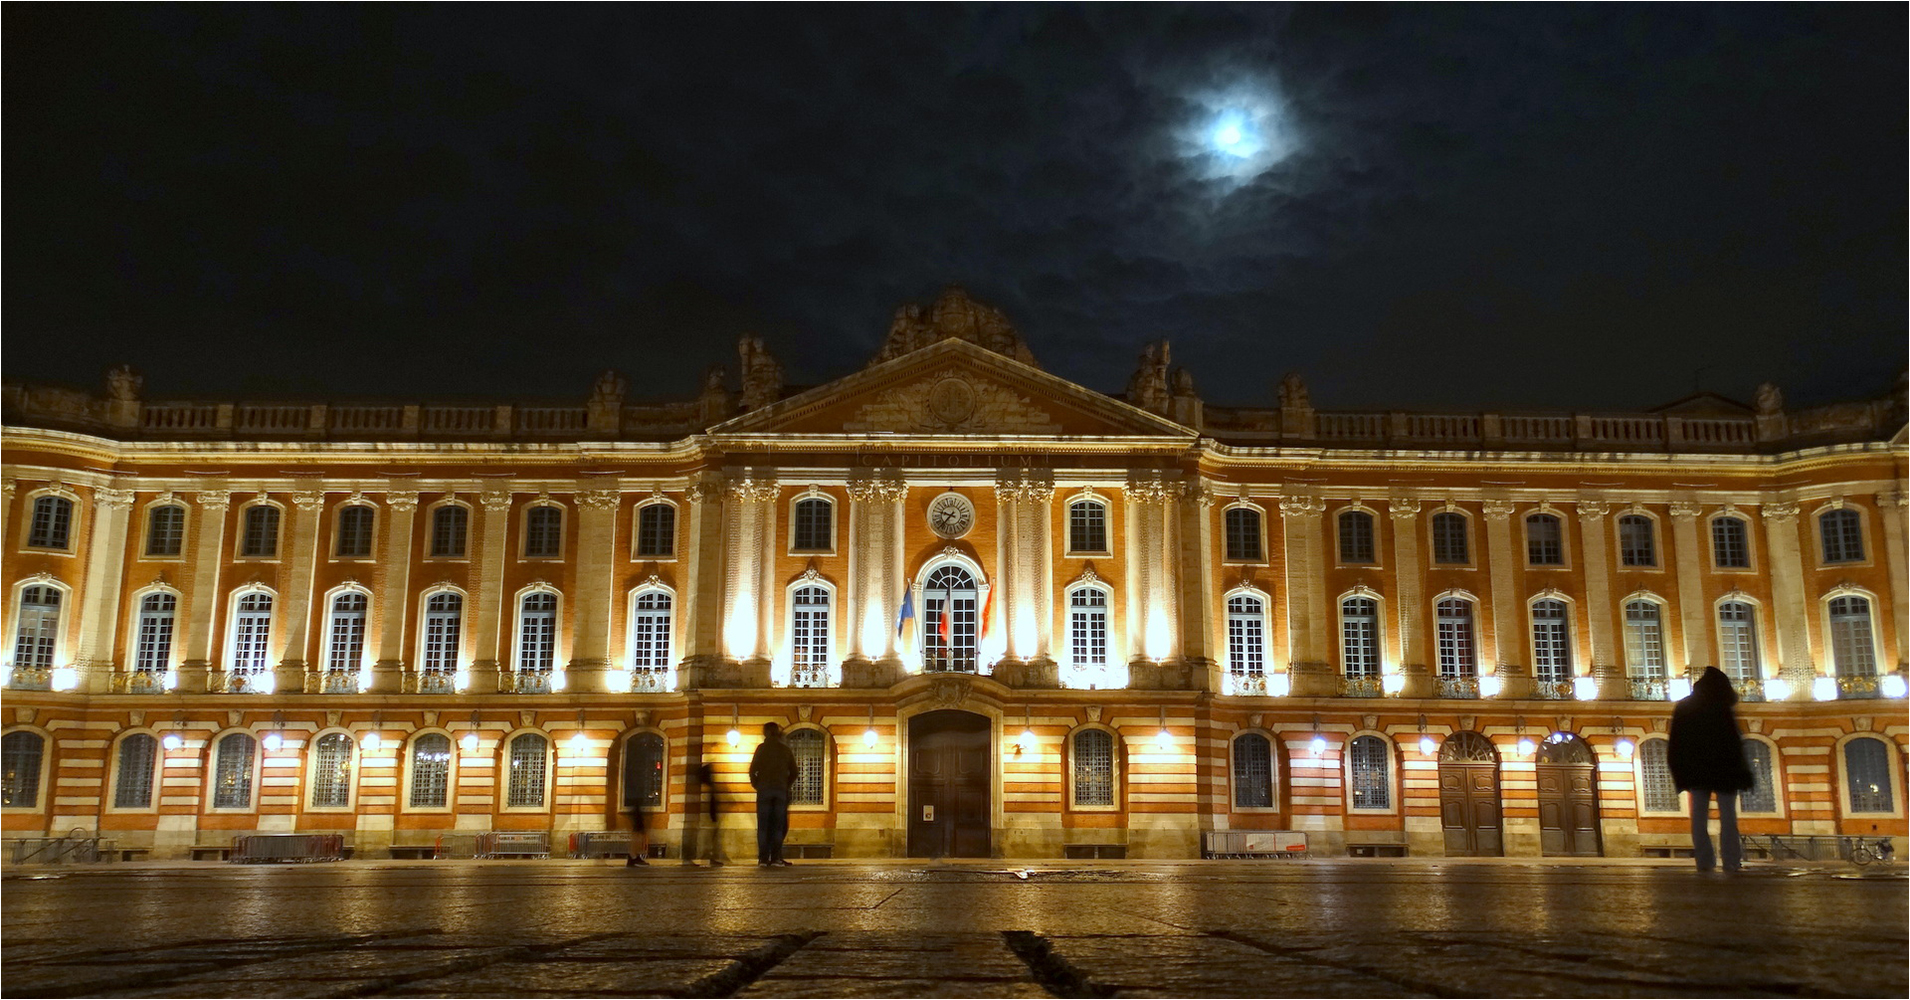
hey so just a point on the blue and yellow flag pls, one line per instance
(908, 611)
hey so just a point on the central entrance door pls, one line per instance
(1568, 797)
(1469, 797)
(949, 787)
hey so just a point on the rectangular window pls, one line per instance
(1737, 634)
(1457, 658)
(813, 521)
(449, 526)
(1544, 542)
(809, 635)
(1243, 534)
(1551, 643)
(1088, 627)
(1246, 637)
(1093, 768)
(656, 530)
(133, 788)
(1644, 641)
(1635, 543)
(1372, 780)
(1853, 652)
(430, 771)
(525, 788)
(1359, 637)
(1730, 548)
(1843, 535)
(1654, 767)
(1761, 797)
(52, 520)
(1449, 539)
(1087, 527)
(165, 530)
(354, 532)
(1356, 537)
(261, 532)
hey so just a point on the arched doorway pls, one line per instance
(1568, 797)
(949, 619)
(949, 785)
(1469, 797)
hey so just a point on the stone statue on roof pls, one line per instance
(953, 315)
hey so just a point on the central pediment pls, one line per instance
(953, 388)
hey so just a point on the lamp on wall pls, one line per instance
(1027, 743)
(1891, 685)
(1163, 740)
(1318, 746)
(1777, 689)
(1426, 744)
(1824, 688)
(578, 741)
(869, 735)
(1621, 744)
(735, 734)
(470, 740)
(1525, 745)
(1585, 688)
(273, 741)
(172, 740)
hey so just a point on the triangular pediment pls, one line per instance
(953, 388)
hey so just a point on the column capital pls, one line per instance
(1198, 494)
(1894, 498)
(881, 490)
(1301, 506)
(495, 501)
(309, 501)
(1499, 509)
(403, 503)
(705, 491)
(600, 499)
(213, 499)
(1404, 509)
(1686, 508)
(754, 490)
(1778, 511)
(109, 498)
(8, 487)
(1592, 508)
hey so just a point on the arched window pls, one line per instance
(1369, 767)
(354, 531)
(814, 517)
(152, 647)
(536, 642)
(1636, 546)
(1867, 766)
(1458, 657)
(650, 640)
(232, 772)
(52, 523)
(1449, 539)
(1093, 768)
(810, 750)
(809, 627)
(39, 630)
(1356, 537)
(656, 530)
(643, 771)
(1645, 649)
(133, 775)
(1853, 651)
(1087, 527)
(345, 642)
(1243, 534)
(331, 771)
(1359, 636)
(1253, 772)
(251, 635)
(1730, 543)
(1088, 627)
(20, 753)
(165, 530)
(948, 620)
(450, 527)
(443, 631)
(543, 532)
(430, 771)
(1737, 643)
(1656, 790)
(1761, 797)
(1247, 643)
(1843, 535)
(1551, 643)
(1544, 540)
(525, 784)
(261, 537)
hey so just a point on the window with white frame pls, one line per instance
(543, 532)
(443, 631)
(1761, 797)
(1356, 537)
(1730, 543)
(232, 771)
(810, 749)
(430, 771)
(20, 755)
(1449, 539)
(137, 760)
(1246, 636)
(450, 530)
(1458, 653)
(814, 517)
(656, 530)
(1551, 642)
(1369, 766)
(537, 633)
(1852, 649)
(345, 638)
(331, 771)
(52, 523)
(152, 644)
(1636, 544)
(1842, 534)
(1253, 772)
(809, 627)
(1657, 791)
(165, 530)
(524, 788)
(38, 634)
(1243, 534)
(643, 762)
(950, 624)
(1093, 768)
(251, 634)
(650, 633)
(1544, 540)
(1644, 640)
(1088, 626)
(1737, 643)
(1087, 526)
(1867, 766)
(1359, 636)
(260, 539)
(354, 531)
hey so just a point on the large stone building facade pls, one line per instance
(998, 613)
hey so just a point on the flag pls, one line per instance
(988, 608)
(944, 629)
(908, 612)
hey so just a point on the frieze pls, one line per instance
(112, 499)
(707, 491)
(754, 491)
(1301, 506)
(213, 500)
(949, 405)
(600, 499)
(308, 501)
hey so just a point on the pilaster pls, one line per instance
(1310, 672)
(1199, 629)
(201, 599)
(1037, 548)
(596, 579)
(1891, 510)
(872, 661)
(1692, 608)
(7, 489)
(703, 567)
(301, 552)
(1603, 661)
(1508, 612)
(1789, 604)
(105, 565)
(1410, 628)
(391, 599)
(487, 590)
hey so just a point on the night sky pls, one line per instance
(1513, 206)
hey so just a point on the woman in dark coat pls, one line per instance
(1707, 758)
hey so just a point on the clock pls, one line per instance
(951, 515)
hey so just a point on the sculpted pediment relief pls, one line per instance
(951, 404)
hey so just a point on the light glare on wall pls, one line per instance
(618, 681)
(1525, 747)
(1777, 689)
(273, 742)
(1625, 748)
(172, 741)
(371, 742)
(1585, 688)
(1891, 685)
(1319, 746)
(1393, 683)
(1427, 746)
(1278, 685)
(469, 742)
(1678, 689)
(578, 744)
(1824, 688)
(1490, 685)
(65, 679)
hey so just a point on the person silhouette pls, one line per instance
(1707, 759)
(772, 772)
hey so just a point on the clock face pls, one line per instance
(951, 515)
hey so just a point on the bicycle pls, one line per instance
(1867, 852)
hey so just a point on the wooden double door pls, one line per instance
(1469, 797)
(950, 787)
(1568, 798)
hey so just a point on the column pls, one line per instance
(105, 566)
(1167, 578)
(700, 602)
(393, 596)
(1310, 672)
(596, 578)
(1788, 602)
(1603, 660)
(1508, 611)
(202, 597)
(1136, 538)
(7, 489)
(751, 535)
(301, 568)
(888, 528)
(1890, 510)
(1693, 610)
(486, 596)
(872, 575)
(1035, 554)
(1008, 593)
(1200, 632)
(1416, 680)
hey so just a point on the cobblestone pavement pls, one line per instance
(849, 929)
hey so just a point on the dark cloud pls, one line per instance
(1519, 206)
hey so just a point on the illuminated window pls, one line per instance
(1654, 769)
(331, 770)
(949, 620)
(525, 787)
(232, 772)
(1551, 642)
(643, 771)
(354, 531)
(656, 530)
(1253, 772)
(1246, 637)
(1369, 763)
(814, 517)
(1449, 539)
(1730, 544)
(1243, 534)
(1359, 636)
(261, 537)
(1867, 763)
(537, 634)
(543, 532)
(1843, 536)
(52, 521)
(345, 645)
(1087, 627)
(808, 747)
(251, 635)
(1356, 537)
(20, 754)
(39, 630)
(1737, 635)
(1544, 541)
(165, 530)
(1853, 651)
(1087, 526)
(1636, 546)
(1644, 641)
(1093, 768)
(1761, 797)
(152, 647)
(650, 635)
(133, 777)
(1458, 657)
(443, 628)
(809, 636)
(430, 771)
(450, 526)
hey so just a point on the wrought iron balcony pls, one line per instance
(1750, 690)
(815, 675)
(1649, 689)
(530, 681)
(339, 682)
(1552, 690)
(949, 664)
(650, 680)
(1362, 687)
(246, 682)
(30, 679)
(145, 682)
(437, 682)
(1858, 686)
(1247, 684)
(1458, 687)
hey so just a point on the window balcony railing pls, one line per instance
(245, 681)
(650, 680)
(30, 679)
(437, 682)
(1551, 690)
(1247, 684)
(1361, 687)
(339, 682)
(1750, 690)
(810, 675)
(1650, 689)
(145, 682)
(1458, 687)
(949, 664)
(530, 681)
(1857, 686)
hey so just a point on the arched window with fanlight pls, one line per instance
(1369, 767)
(536, 642)
(442, 639)
(21, 753)
(650, 625)
(949, 600)
(134, 767)
(232, 766)
(1253, 772)
(345, 642)
(1853, 648)
(251, 640)
(810, 630)
(1656, 792)
(1247, 643)
(1088, 627)
(430, 771)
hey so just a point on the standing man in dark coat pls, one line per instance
(1707, 758)
(772, 772)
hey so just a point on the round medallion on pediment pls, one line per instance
(951, 401)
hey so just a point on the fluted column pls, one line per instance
(1036, 555)
(202, 597)
(486, 602)
(1166, 577)
(1008, 584)
(1890, 510)
(873, 591)
(1417, 680)
(702, 597)
(391, 595)
(1200, 630)
(7, 489)
(301, 568)
(105, 564)
(596, 578)
(1508, 612)
(1789, 607)
(1309, 670)
(1692, 608)
(1136, 539)
(751, 536)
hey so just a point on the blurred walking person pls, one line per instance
(705, 827)
(1707, 759)
(772, 772)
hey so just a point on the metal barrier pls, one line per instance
(513, 845)
(79, 846)
(268, 848)
(600, 844)
(1253, 844)
(455, 845)
(1792, 847)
